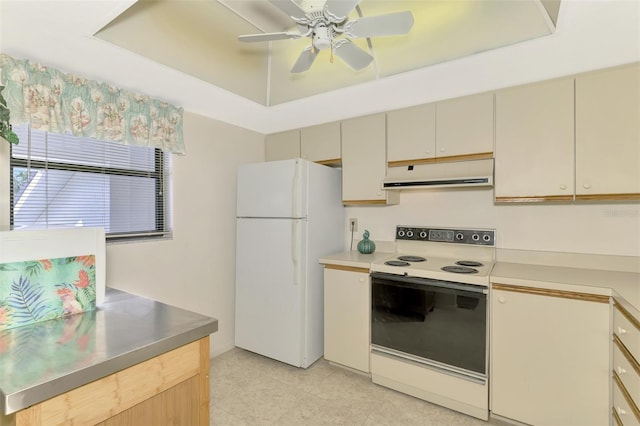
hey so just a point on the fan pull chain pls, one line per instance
(331, 56)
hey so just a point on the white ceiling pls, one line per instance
(590, 34)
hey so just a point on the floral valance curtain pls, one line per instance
(59, 102)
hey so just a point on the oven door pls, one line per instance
(438, 323)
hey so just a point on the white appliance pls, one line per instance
(429, 316)
(289, 214)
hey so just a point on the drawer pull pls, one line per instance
(620, 411)
(502, 299)
(621, 330)
(621, 370)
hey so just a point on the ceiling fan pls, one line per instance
(325, 26)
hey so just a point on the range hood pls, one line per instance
(440, 175)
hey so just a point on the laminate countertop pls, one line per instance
(46, 359)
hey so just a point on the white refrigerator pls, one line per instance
(289, 214)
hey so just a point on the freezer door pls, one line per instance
(272, 189)
(270, 288)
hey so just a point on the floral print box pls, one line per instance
(39, 290)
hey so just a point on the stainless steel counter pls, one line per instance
(46, 359)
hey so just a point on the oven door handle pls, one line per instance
(429, 282)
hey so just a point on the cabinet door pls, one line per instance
(411, 135)
(550, 358)
(364, 162)
(608, 134)
(321, 143)
(282, 146)
(347, 317)
(534, 157)
(464, 128)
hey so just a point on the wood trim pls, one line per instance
(445, 159)
(465, 157)
(535, 199)
(414, 162)
(331, 162)
(204, 382)
(608, 197)
(633, 320)
(363, 202)
(627, 354)
(346, 268)
(626, 395)
(552, 293)
(99, 400)
(616, 417)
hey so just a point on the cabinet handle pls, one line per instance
(442, 150)
(621, 370)
(361, 279)
(621, 411)
(621, 330)
(428, 152)
(563, 187)
(501, 299)
(586, 186)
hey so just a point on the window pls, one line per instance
(66, 181)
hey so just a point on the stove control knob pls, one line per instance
(401, 233)
(410, 233)
(423, 234)
(475, 237)
(459, 236)
(486, 237)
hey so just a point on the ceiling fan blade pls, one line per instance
(268, 36)
(305, 60)
(354, 56)
(289, 7)
(340, 8)
(382, 25)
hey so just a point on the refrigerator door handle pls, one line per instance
(295, 187)
(294, 251)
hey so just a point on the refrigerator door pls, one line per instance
(270, 288)
(272, 189)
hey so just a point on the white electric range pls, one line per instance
(429, 316)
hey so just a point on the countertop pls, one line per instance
(622, 285)
(40, 361)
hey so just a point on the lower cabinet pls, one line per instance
(549, 356)
(347, 308)
(626, 367)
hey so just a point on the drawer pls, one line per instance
(621, 407)
(626, 330)
(627, 370)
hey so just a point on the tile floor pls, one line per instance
(249, 389)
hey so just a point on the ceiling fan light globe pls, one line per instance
(321, 38)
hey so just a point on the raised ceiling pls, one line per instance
(199, 38)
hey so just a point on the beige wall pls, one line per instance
(196, 269)
(612, 229)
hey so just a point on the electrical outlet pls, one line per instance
(353, 225)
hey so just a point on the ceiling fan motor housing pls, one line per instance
(322, 37)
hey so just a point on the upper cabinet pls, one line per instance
(452, 130)
(535, 142)
(282, 146)
(464, 128)
(321, 143)
(608, 134)
(364, 162)
(411, 135)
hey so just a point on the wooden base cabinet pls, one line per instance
(549, 356)
(626, 367)
(170, 389)
(347, 316)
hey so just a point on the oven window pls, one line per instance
(439, 324)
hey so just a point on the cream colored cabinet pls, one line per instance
(347, 316)
(321, 143)
(626, 367)
(282, 146)
(608, 134)
(464, 128)
(451, 130)
(411, 135)
(549, 356)
(364, 162)
(534, 154)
